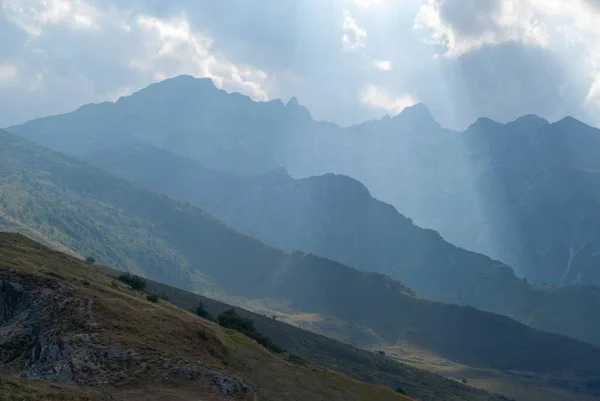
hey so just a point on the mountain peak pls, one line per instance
(179, 86)
(419, 109)
(417, 116)
(296, 109)
(483, 124)
(531, 119)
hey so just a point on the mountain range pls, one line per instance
(125, 225)
(334, 216)
(490, 189)
(252, 203)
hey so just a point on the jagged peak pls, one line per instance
(294, 107)
(417, 116)
(279, 174)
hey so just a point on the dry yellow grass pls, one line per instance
(161, 336)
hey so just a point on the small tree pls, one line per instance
(152, 298)
(202, 312)
(231, 320)
(135, 282)
(90, 260)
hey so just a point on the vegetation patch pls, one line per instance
(152, 298)
(298, 359)
(231, 320)
(136, 282)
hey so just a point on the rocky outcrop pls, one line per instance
(230, 385)
(48, 332)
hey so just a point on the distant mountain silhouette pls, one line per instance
(524, 192)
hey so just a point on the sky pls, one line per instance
(346, 60)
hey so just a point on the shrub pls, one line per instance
(382, 353)
(231, 320)
(401, 390)
(202, 312)
(90, 260)
(464, 381)
(85, 282)
(299, 359)
(152, 297)
(136, 282)
(202, 334)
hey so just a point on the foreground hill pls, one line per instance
(336, 217)
(125, 225)
(525, 193)
(66, 322)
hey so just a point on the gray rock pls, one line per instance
(231, 385)
(188, 373)
(114, 352)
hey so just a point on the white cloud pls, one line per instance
(368, 3)
(383, 65)
(375, 97)
(172, 48)
(354, 37)
(8, 73)
(569, 29)
(33, 15)
(465, 25)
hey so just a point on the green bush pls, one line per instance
(90, 260)
(85, 282)
(202, 312)
(231, 320)
(401, 390)
(202, 334)
(136, 282)
(152, 297)
(299, 359)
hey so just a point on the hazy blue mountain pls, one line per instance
(336, 217)
(123, 224)
(523, 193)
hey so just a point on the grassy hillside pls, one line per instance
(68, 322)
(130, 227)
(374, 368)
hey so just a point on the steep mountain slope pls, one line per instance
(336, 217)
(64, 321)
(129, 226)
(372, 367)
(490, 189)
(323, 351)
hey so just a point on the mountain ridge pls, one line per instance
(336, 217)
(182, 245)
(473, 187)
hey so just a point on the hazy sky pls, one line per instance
(346, 60)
